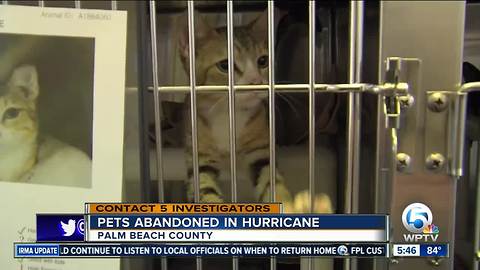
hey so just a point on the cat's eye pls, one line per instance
(223, 65)
(11, 113)
(262, 61)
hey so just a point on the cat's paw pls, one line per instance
(301, 204)
(281, 194)
(211, 198)
(210, 192)
(262, 189)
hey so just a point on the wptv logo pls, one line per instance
(417, 218)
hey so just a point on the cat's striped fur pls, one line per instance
(251, 67)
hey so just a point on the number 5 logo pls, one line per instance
(416, 217)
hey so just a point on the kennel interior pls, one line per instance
(355, 133)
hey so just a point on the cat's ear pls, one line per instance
(25, 79)
(203, 32)
(259, 26)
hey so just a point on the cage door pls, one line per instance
(426, 168)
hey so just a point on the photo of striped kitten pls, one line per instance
(46, 106)
(18, 126)
(26, 155)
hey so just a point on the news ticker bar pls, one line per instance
(23, 250)
(29, 250)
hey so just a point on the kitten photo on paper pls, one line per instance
(26, 156)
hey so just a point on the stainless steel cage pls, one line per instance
(416, 58)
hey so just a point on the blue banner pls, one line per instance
(37, 250)
(434, 250)
(60, 228)
(282, 221)
(188, 250)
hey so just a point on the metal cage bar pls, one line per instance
(311, 103)
(5, 2)
(354, 108)
(193, 107)
(231, 101)
(354, 115)
(156, 101)
(271, 97)
(157, 108)
(380, 174)
(311, 111)
(78, 4)
(231, 112)
(296, 88)
(476, 230)
(457, 140)
(459, 132)
(193, 98)
(476, 234)
(271, 109)
(143, 74)
(41, 3)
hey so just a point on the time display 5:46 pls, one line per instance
(406, 250)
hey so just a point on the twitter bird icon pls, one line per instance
(68, 228)
(60, 227)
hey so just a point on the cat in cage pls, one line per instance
(27, 156)
(251, 67)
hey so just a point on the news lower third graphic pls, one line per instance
(216, 230)
(417, 218)
(237, 228)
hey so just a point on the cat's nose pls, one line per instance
(257, 80)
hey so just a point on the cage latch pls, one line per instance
(395, 92)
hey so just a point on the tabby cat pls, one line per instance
(251, 67)
(25, 155)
